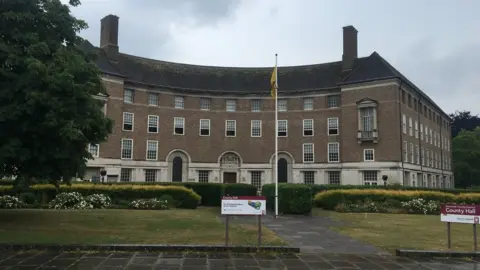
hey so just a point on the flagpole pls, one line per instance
(276, 135)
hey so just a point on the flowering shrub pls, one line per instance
(366, 207)
(421, 206)
(10, 202)
(150, 204)
(99, 200)
(70, 200)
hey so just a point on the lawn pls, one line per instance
(200, 226)
(392, 231)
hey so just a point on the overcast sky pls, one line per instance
(436, 44)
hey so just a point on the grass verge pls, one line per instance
(178, 226)
(393, 231)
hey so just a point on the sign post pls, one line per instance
(244, 206)
(460, 213)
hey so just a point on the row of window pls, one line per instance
(230, 126)
(333, 151)
(333, 101)
(428, 157)
(333, 177)
(424, 110)
(430, 136)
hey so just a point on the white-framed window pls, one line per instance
(178, 126)
(368, 154)
(153, 99)
(256, 128)
(205, 104)
(256, 179)
(153, 123)
(366, 116)
(128, 95)
(282, 128)
(308, 153)
(150, 175)
(230, 128)
(333, 101)
(231, 105)
(334, 152)
(307, 127)
(417, 154)
(412, 154)
(333, 126)
(431, 136)
(435, 139)
(370, 178)
(256, 105)
(152, 150)
(410, 126)
(204, 127)
(426, 134)
(126, 174)
(404, 123)
(308, 104)
(127, 148)
(128, 119)
(179, 102)
(423, 156)
(309, 177)
(282, 105)
(334, 177)
(427, 157)
(405, 151)
(203, 176)
(416, 130)
(94, 150)
(421, 132)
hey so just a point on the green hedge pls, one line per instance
(292, 198)
(211, 193)
(330, 199)
(184, 197)
(320, 188)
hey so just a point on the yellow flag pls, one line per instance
(273, 82)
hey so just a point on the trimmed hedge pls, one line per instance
(330, 199)
(292, 198)
(211, 193)
(321, 188)
(184, 197)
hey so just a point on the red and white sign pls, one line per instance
(459, 213)
(244, 205)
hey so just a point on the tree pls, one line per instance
(48, 114)
(463, 120)
(466, 158)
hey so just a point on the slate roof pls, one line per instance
(241, 80)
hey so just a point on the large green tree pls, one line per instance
(464, 120)
(48, 114)
(466, 158)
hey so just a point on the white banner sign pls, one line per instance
(244, 205)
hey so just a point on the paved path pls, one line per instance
(312, 234)
(196, 261)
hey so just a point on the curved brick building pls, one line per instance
(345, 122)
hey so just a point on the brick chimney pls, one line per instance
(109, 36)
(350, 47)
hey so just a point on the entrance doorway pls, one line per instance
(177, 168)
(229, 177)
(282, 170)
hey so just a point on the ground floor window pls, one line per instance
(334, 178)
(150, 175)
(309, 177)
(126, 175)
(256, 179)
(370, 178)
(203, 176)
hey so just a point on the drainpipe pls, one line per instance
(401, 127)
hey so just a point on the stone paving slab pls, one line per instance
(312, 234)
(200, 261)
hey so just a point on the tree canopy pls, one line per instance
(466, 158)
(48, 113)
(463, 120)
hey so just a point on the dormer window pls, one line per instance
(367, 120)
